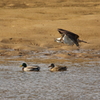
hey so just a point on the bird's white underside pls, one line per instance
(65, 40)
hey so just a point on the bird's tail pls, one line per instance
(82, 41)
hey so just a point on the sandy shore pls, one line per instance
(28, 29)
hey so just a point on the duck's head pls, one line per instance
(52, 65)
(23, 65)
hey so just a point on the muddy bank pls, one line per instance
(28, 30)
(49, 56)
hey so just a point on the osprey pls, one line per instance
(68, 37)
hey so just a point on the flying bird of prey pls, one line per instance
(68, 37)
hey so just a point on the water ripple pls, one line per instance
(78, 83)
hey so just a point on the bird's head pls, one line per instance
(52, 65)
(23, 65)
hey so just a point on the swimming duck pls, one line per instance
(57, 68)
(29, 68)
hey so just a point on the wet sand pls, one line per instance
(28, 30)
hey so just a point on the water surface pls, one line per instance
(80, 82)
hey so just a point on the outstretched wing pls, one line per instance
(71, 35)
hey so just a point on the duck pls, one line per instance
(29, 68)
(57, 68)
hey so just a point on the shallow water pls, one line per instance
(80, 82)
